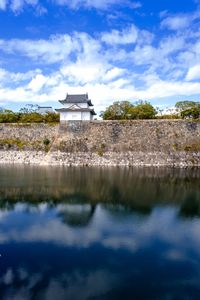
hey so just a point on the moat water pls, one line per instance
(99, 233)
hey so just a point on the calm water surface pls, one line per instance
(91, 233)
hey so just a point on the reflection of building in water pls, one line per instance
(76, 214)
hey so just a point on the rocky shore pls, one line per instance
(156, 159)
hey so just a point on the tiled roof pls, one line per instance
(81, 98)
(45, 109)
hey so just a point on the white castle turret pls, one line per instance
(76, 107)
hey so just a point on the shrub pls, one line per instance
(8, 116)
(100, 152)
(51, 117)
(46, 141)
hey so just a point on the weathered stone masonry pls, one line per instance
(146, 142)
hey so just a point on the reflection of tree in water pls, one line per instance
(134, 188)
(77, 214)
(122, 210)
(190, 207)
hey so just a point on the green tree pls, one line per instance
(51, 117)
(8, 116)
(29, 108)
(119, 110)
(143, 110)
(189, 109)
(124, 110)
(31, 118)
(28, 114)
(193, 113)
(183, 105)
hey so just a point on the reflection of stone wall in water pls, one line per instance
(147, 142)
(84, 188)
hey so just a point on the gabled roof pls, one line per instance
(78, 98)
(45, 109)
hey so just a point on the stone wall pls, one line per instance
(140, 143)
(27, 136)
(123, 136)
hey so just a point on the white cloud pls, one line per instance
(113, 73)
(37, 83)
(17, 6)
(175, 22)
(3, 4)
(166, 89)
(178, 21)
(98, 4)
(113, 65)
(56, 48)
(6, 76)
(83, 73)
(193, 73)
(126, 36)
(145, 54)
(172, 44)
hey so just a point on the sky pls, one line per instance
(111, 49)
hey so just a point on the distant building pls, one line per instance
(76, 107)
(44, 110)
(168, 111)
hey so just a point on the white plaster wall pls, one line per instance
(86, 116)
(67, 116)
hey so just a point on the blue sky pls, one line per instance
(112, 49)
